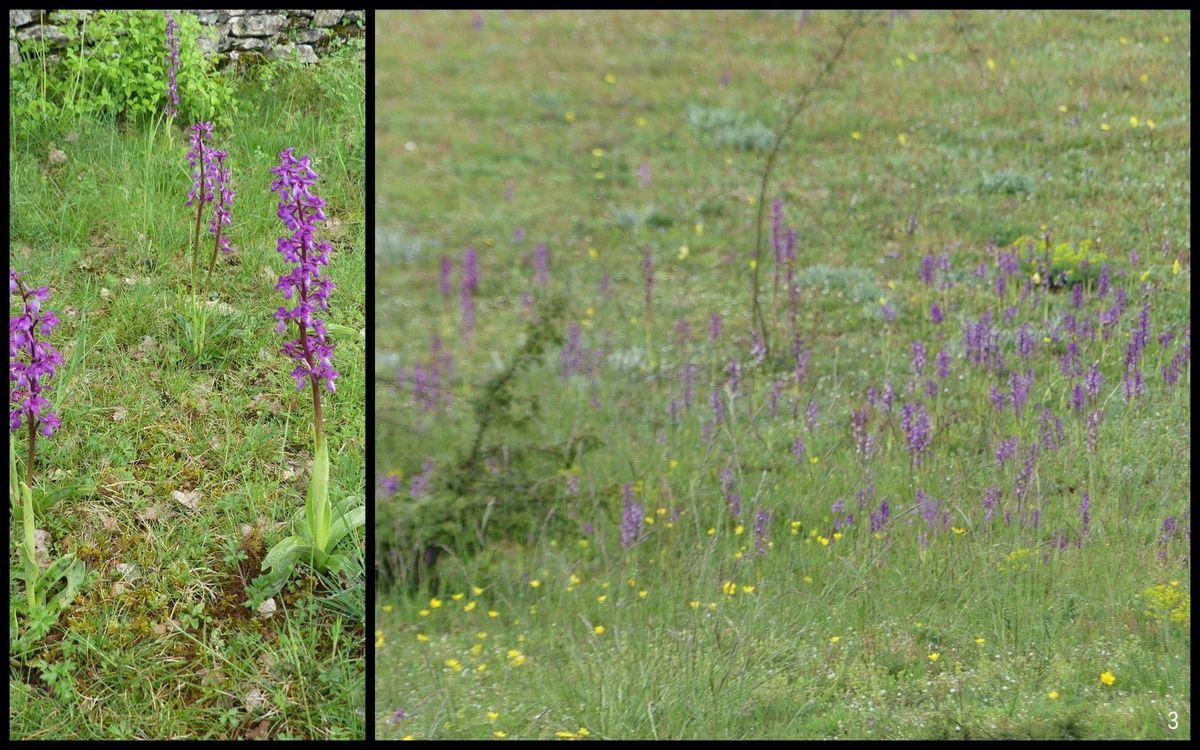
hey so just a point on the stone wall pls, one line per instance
(272, 33)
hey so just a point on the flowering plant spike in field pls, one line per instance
(321, 525)
(31, 366)
(172, 40)
(212, 189)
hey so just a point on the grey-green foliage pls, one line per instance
(728, 128)
(856, 284)
(1007, 183)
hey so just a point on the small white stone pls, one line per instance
(255, 700)
(266, 610)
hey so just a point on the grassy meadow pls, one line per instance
(948, 496)
(185, 471)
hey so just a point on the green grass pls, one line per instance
(541, 121)
(171, 651)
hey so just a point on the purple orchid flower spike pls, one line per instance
(306, 284)
(31, 363)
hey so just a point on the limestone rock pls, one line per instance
(327, 17)
(260, 26)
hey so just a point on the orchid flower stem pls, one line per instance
(32, 453)
(199, 214)
(31, 566)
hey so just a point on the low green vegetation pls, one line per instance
(946, 497)
(185, 467)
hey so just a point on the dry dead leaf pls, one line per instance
(105, 293)
(153, 513)
(145, 347)
(211, 676)
(58, 157)
(120, 413)
(259, 732)
(266, 610)
(41, 547)
(262, 401)
(190, 499)
(128, 571)
(108, 522)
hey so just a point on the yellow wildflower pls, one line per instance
(1108, 678)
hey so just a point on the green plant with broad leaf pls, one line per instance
(31, 365)
(318, 528)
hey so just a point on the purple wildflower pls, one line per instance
(762, 522)
(541, 264)
(729, 487)
(1020, 385)
(942, 363)
(300, 209)
(915, 421)
(718, 406)
(880, 517)
(631, 517)
(466, 292)
(172, 41)
(812, 415)
(714, 327)
(389, 485)
(991, 501)
(935, 313)
(917, 353)
(445, 286)
(798, 449)
(1085, 513)
(1093, 426)
(419, 485)
(1025, 343)
(1006, 450)
(643, 173)
(222, 200)
(31, 363)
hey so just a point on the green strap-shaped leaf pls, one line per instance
(317, 506)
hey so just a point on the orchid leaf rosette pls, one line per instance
(32, 362)
(306, 289)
